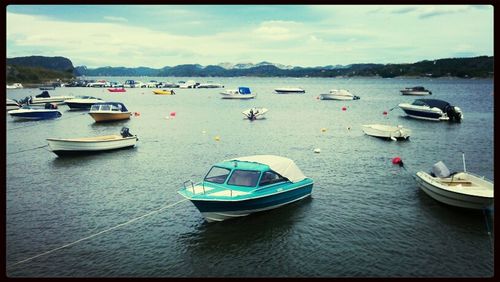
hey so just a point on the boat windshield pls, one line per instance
(217, 175)
(419, 103)
(246, 178)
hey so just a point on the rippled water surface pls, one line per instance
(365, 218)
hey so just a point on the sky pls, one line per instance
(298, 35)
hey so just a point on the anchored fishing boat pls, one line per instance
(460, 189)
(417, 91)
(88, 145)
(240, 93)
(245, 185)
(386, 131)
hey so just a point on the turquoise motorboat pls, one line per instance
(244, 185)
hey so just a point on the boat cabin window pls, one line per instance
(105, 107)
(270, 177)
(117, 107)
(246, 178)
(419, 103)
(94, 108)
(217, 175)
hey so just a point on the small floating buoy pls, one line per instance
(137, 114)
(323, 129)
(317, 150)
(317, 98)
(384, 113)
(217, 138)
(398, 161)
(344, 109)
(203, 132)
(167, 117)
(172, 114)
(348, 128)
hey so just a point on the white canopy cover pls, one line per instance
(284, 166)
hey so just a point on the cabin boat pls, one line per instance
(12, 104)
(461, 189)
(82, 102)
(89, 145)
(240, 93)
(338, 94)
(289, 90)
(130, 83)
(164, 92)
(210, 85)
(432, 109)
(188, 84)
(245, 185)
(387, 131)
(109, 111)
(417, 91)
(255, 113)
(27, 112)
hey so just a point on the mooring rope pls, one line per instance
(99, 233)
(28, 150)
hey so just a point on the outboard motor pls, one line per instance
(454, 113)
(125, 132)
(45, 94)
(50, 106)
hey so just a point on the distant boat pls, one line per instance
(12, 104)
(27, 112)
(44, 98)
(89, 145)
(386, 131)
(82, 102)
(245, 185)
(255, 113)
(117, 90)
(134, 84)
(240, 93)
(289, 90)
(109, 111)
(432, 109)
(188, 84)
(461, 189)
(336, 94)
(15, 86)
(47, 88)
(417, 90)
(210, 85)
(164, 92)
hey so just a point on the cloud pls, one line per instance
(115, 19)
(278, 30)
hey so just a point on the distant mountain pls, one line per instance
(457, 67)
(51, 63)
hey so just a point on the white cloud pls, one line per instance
(115, 19)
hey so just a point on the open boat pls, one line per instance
(240, 93)
(44, 98)
(338, 94)
(117, 90)
(82, 102)
(289, 90)
(28, 112)
(417, 91)
(244, 185)
(88, 145)
(164, 92)
(461, 189)
(386, 131)
(255, 113)
(432, 109)
(12, 104)
(109, 111)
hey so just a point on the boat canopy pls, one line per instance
(284, 166)
(244, 90)
(118, 105)
(433, 103)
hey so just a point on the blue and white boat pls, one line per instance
(244, 185)
(33, 113)
(82, 102)
(432, 109)
(240, 93)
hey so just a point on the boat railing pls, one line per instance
(192, 185)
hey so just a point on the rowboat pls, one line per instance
(163, 92)
(386, 131)
(89, 145)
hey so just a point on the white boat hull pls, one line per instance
(415, 93)
(90, 145)
(386, 131)
(237, 96)
(55, 99)
(468, 191)
(335, 97)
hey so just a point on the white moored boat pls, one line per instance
(44, 98)
(289, 90)
(82, 102)
(432, 109)
(87, 145)
(338, 94)
(462, 189)
(240, 93)
(12, 104)
(417, 91)
(386, 131)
